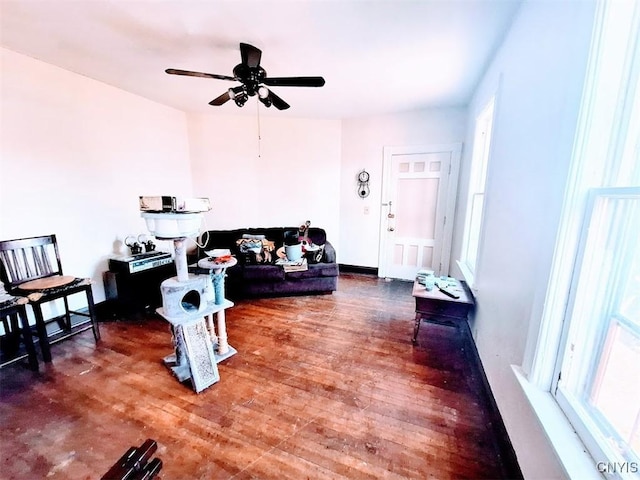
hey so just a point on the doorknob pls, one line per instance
(390, 216)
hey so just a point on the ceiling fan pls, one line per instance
(254, 81)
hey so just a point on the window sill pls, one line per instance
(467, 275)
(574, 458)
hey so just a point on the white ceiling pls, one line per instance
(376, 56)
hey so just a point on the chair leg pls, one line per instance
(41, 328)
(67, 315)
(28, 340)
(11, 339)
(92, 313)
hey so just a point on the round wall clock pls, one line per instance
(363, 184)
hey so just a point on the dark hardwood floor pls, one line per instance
(322, 387)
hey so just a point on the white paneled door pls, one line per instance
(418, 203)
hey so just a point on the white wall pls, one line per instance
(540, 69)
(290, 175)
(363, 140)
(75, 154)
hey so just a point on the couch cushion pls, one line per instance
(270, 273)
(223, 239)
(317, 235)
(314, 271)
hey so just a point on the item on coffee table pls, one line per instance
(219, 255)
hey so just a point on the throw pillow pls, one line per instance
(247, 248)
(268, 251)
(256, 249)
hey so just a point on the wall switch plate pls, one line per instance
(366, 210)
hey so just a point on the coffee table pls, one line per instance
(436, 306)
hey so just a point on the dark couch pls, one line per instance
(250, 278)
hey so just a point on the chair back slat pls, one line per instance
(9, 266)
(36, 261)
(17, 266)
(25, 262)
(41, 261)
(29, 259)
(47, 262)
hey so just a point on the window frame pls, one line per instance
(480, 158)
(601, 158)
(586, 423)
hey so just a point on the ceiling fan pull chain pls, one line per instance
(259, 135)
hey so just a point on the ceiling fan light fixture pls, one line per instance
(263, 92)
(238, 95)
(240, 100)
(236, 92)
(265, 101)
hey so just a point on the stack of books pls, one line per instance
(293, 266)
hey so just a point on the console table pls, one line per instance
(434, 305)
(135, 292)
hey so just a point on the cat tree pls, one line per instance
(187, 300)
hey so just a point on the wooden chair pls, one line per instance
(15, 329)
(31, 268)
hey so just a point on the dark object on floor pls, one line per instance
(31, 268)
(135, 464)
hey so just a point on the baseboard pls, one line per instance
(111, 310)
(358, 269)
(508, 456)
(104, 309)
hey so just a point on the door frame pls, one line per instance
(451, 186)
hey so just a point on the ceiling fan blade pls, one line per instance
(277, 102)
(188, 73)
(221, 100)
(250, 55)
(294, 81)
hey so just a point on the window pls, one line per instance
(588, 348)
(599, 375)
(475, 200)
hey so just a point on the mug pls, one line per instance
(293, 252)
